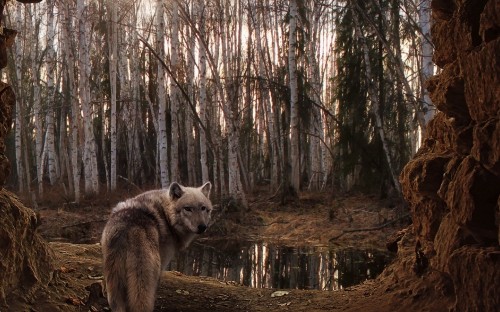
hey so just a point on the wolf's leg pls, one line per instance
(143, 269)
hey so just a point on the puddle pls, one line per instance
(264, 265)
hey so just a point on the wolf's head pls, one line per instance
(192, 206)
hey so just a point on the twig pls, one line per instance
(267, 224)
(375, 228)
(131, 183)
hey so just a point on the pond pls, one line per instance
(264, 265)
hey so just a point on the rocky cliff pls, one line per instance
(453, 183)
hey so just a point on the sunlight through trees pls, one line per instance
(295, 95)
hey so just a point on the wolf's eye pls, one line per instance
(203, 208)
(188, 209)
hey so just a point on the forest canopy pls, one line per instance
(296, 95)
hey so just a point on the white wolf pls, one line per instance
(143, 234)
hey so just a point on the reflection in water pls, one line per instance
(270, 266)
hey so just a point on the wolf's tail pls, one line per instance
(132, 268)
(143, 267)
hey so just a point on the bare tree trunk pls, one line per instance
(49, 116)
(427, 64)
(128, 75)
(74, 124)
(190, 138)
(113, 56)
(294, 109)
(316, 124)
(20, 98)
(264, 98)
(174, 94)
(89, 151)
(162, 96)
(37, 105)
(203, 94)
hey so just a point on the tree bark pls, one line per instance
(294, 100)
(89, 150)
(37, 105)
(426, 58)
(203, 93)
(162, 97)
(18, 55)
(174, 94)
(74, 123)
(113, 56)
(49, 106)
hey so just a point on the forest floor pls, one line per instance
(315, 219)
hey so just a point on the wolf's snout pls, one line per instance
(201, 228)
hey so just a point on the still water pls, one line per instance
(264, 265)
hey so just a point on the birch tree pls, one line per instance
(89, 150)
(129, 84)
(162, 96)
(200, 8)
(49, 107)
(230, 110)
(113, 56)
(175, 93)
(315, 126)
(426, 58)
(190, 87)
(294, 98)
(37, 105)
(264, 94)
(69, 55)
(20, 98)
(237, 72)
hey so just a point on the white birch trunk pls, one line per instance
(49, 117)
(174, 94)
(294, 109)
(266, 103)
(89, 151)
(216, 117)
(426, 58)
(37, 105)
(234, 180)
(203, 96)
(135, 83)
(162, 96)
(125, 98)
(18, 55)
(73, 92)
(190, 138)
(113, 56)
(129, 92)
(316, 125)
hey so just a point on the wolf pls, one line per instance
(143, 234)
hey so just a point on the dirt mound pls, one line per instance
(25, 265)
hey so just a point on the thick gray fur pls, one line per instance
(142, 235)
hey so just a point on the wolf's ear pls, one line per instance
(175, 190)
(205, 189)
